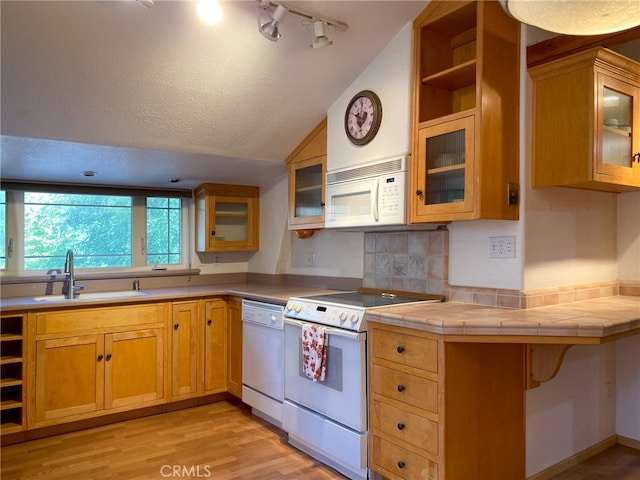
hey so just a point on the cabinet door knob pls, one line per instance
(400, 349)
(401, 426)
(100, 357)
(209, 322)
(108, 357)
(636, 157)
(419, 192)
(401, 388)
(400, 464)
(176, 326)
(213, 232)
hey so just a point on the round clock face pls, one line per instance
(362, 117)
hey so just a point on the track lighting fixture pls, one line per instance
(270, 28)
(576, 17)
(320, 31)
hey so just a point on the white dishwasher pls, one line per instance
(263, 359)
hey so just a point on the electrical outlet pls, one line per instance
(311, 259)
(502, 247)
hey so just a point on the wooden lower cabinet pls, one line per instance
(215, 346)
(95, 361)
(234, 373)
(185, 320)
(444, 410)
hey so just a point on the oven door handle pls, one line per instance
(359, 336)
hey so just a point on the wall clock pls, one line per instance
(362, 117)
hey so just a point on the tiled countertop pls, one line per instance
(261, 292)
(589, 321)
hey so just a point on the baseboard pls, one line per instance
(629, 442)
(576, 458)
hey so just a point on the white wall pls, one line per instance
(389, 76)
(574, 410)
(628, 387)
(629, 236)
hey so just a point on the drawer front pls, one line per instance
(401, 463)
(97, 318)
(404, 387)
(409, 350)
(407, 427)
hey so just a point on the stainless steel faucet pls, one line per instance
(70, 289)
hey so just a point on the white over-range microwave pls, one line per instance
(367, 195)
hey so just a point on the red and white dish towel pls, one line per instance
(314, 352)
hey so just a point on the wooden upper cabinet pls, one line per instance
(465, 115)
(227, 217)
(307, 171)
(586, 122)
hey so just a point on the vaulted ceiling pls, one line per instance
(143, 95)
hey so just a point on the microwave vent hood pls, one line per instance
(373, 169)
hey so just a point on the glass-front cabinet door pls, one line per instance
(618, 142)
(306, 193)
(443, 179)
(232, 227)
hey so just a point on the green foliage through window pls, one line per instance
(163, 230)
(98, 228)
(3, 229)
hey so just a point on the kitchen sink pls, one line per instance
(93, 296)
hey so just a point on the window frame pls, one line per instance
(15, 231)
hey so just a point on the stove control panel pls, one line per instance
(339, 316)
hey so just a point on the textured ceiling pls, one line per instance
(144, 95)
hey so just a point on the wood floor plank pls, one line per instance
(221, 441)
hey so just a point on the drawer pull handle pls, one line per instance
(400, 464)
(209, 322)
(100, 357)
(400, 349)
(108, 357)
(401, 426)
(401, 388)
(176, 326)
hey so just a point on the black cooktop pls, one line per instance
(369, 300)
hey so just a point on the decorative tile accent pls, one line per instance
(419, 262)
(406, 261)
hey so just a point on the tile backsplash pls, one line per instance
(407, 261)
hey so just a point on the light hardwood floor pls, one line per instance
(218, 441)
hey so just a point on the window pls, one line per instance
(96, 227)
(163, 230)
(3, 230)
(104, 231)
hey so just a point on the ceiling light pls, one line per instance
(576, 17)
(145, 3)
(88, 173)
(210, 11)
(320, 31)
(269, 30)
(175, 179)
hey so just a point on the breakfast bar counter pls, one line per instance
(586, 322)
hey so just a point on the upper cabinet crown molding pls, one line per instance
(563, 45)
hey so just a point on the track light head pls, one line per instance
(320, 39)
(269, 30)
